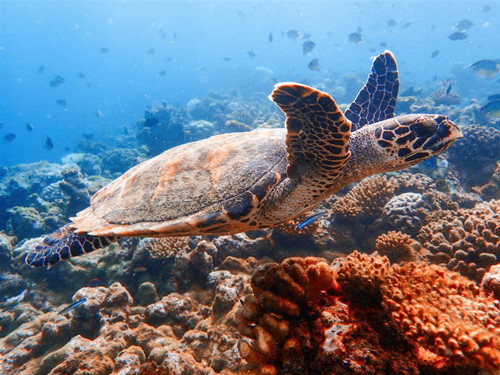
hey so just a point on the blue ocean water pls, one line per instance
(118, 57)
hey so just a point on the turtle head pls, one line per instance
(407, 140)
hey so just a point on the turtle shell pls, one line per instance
(213, 185)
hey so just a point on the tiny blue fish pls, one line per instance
(310, 219)
(74, 305)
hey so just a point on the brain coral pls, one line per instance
(466, 240)
(441, 310)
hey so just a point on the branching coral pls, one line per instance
(166, 247)
(466, 241)
(441, 310)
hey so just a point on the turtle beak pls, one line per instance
(446, 133)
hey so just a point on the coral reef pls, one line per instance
(407, 212)
(440, 310)
(466, 240)
(398, 247)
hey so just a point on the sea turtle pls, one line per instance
(238, 182)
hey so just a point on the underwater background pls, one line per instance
(88, 89)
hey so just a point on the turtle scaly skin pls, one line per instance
(238, 182)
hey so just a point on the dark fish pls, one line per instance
(29, 127)
(126, 131)
(270, 38)
(80, 75)
(435, 53)
(310, 219)
(227, 59)
(356, 38)
(407, 24)
(392, 22)
(485, 8)
(308, 46)
(151, 51)
(485, 67)
(493, 97)
(383, 44)
(251, 54)
(98, 114)
(66, 149)
(104, 50)
(162, 73)
(457, 35)
(88, 136)
(152, 121)
(9, 137)
(491, 109)
(47, 143)
(74, 305)
(463, 25)
(41, 68)
(314, 65)
(448, 90)
(57, 81)
(61, 102)
(294, 34)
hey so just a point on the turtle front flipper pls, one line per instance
(317, 139)
(63, 244)
(377, 99)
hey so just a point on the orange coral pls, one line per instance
(397, 246)
(166, 247)
(466, 241)
(441, 310)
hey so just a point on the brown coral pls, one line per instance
(367, 198)
(296, 323)
(166, 247)
(397, 246)
(466, 240)
(441, 310)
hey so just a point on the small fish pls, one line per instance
(314, 65)
(9, 137)
(270, 38)
(251, 54)
(61, 102)
(98, 113)
(407, 25)
(125, 130)
(411, 91)
(356, 38)
(457, 35)
(310, 219)
(140, 269)
(41, 68)
(94, 282)
(308, 46)
(485, 8)
(74, 305)
(29, 127)
(294, 34)
(463, 25)
(80, 75)
(88, 136)
(448, 90)
(57, 81)
(104, 50)
(162, 73)
(392, 22)
(151, 51)
(47, 143)
(491, 109)
(226, 59)
(383, 44)
(434, 54)
(486, 67)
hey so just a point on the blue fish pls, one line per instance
(74, 305)
(310, 219)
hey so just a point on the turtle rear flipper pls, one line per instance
(377, 99)
(63, 244)
(317, 139)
